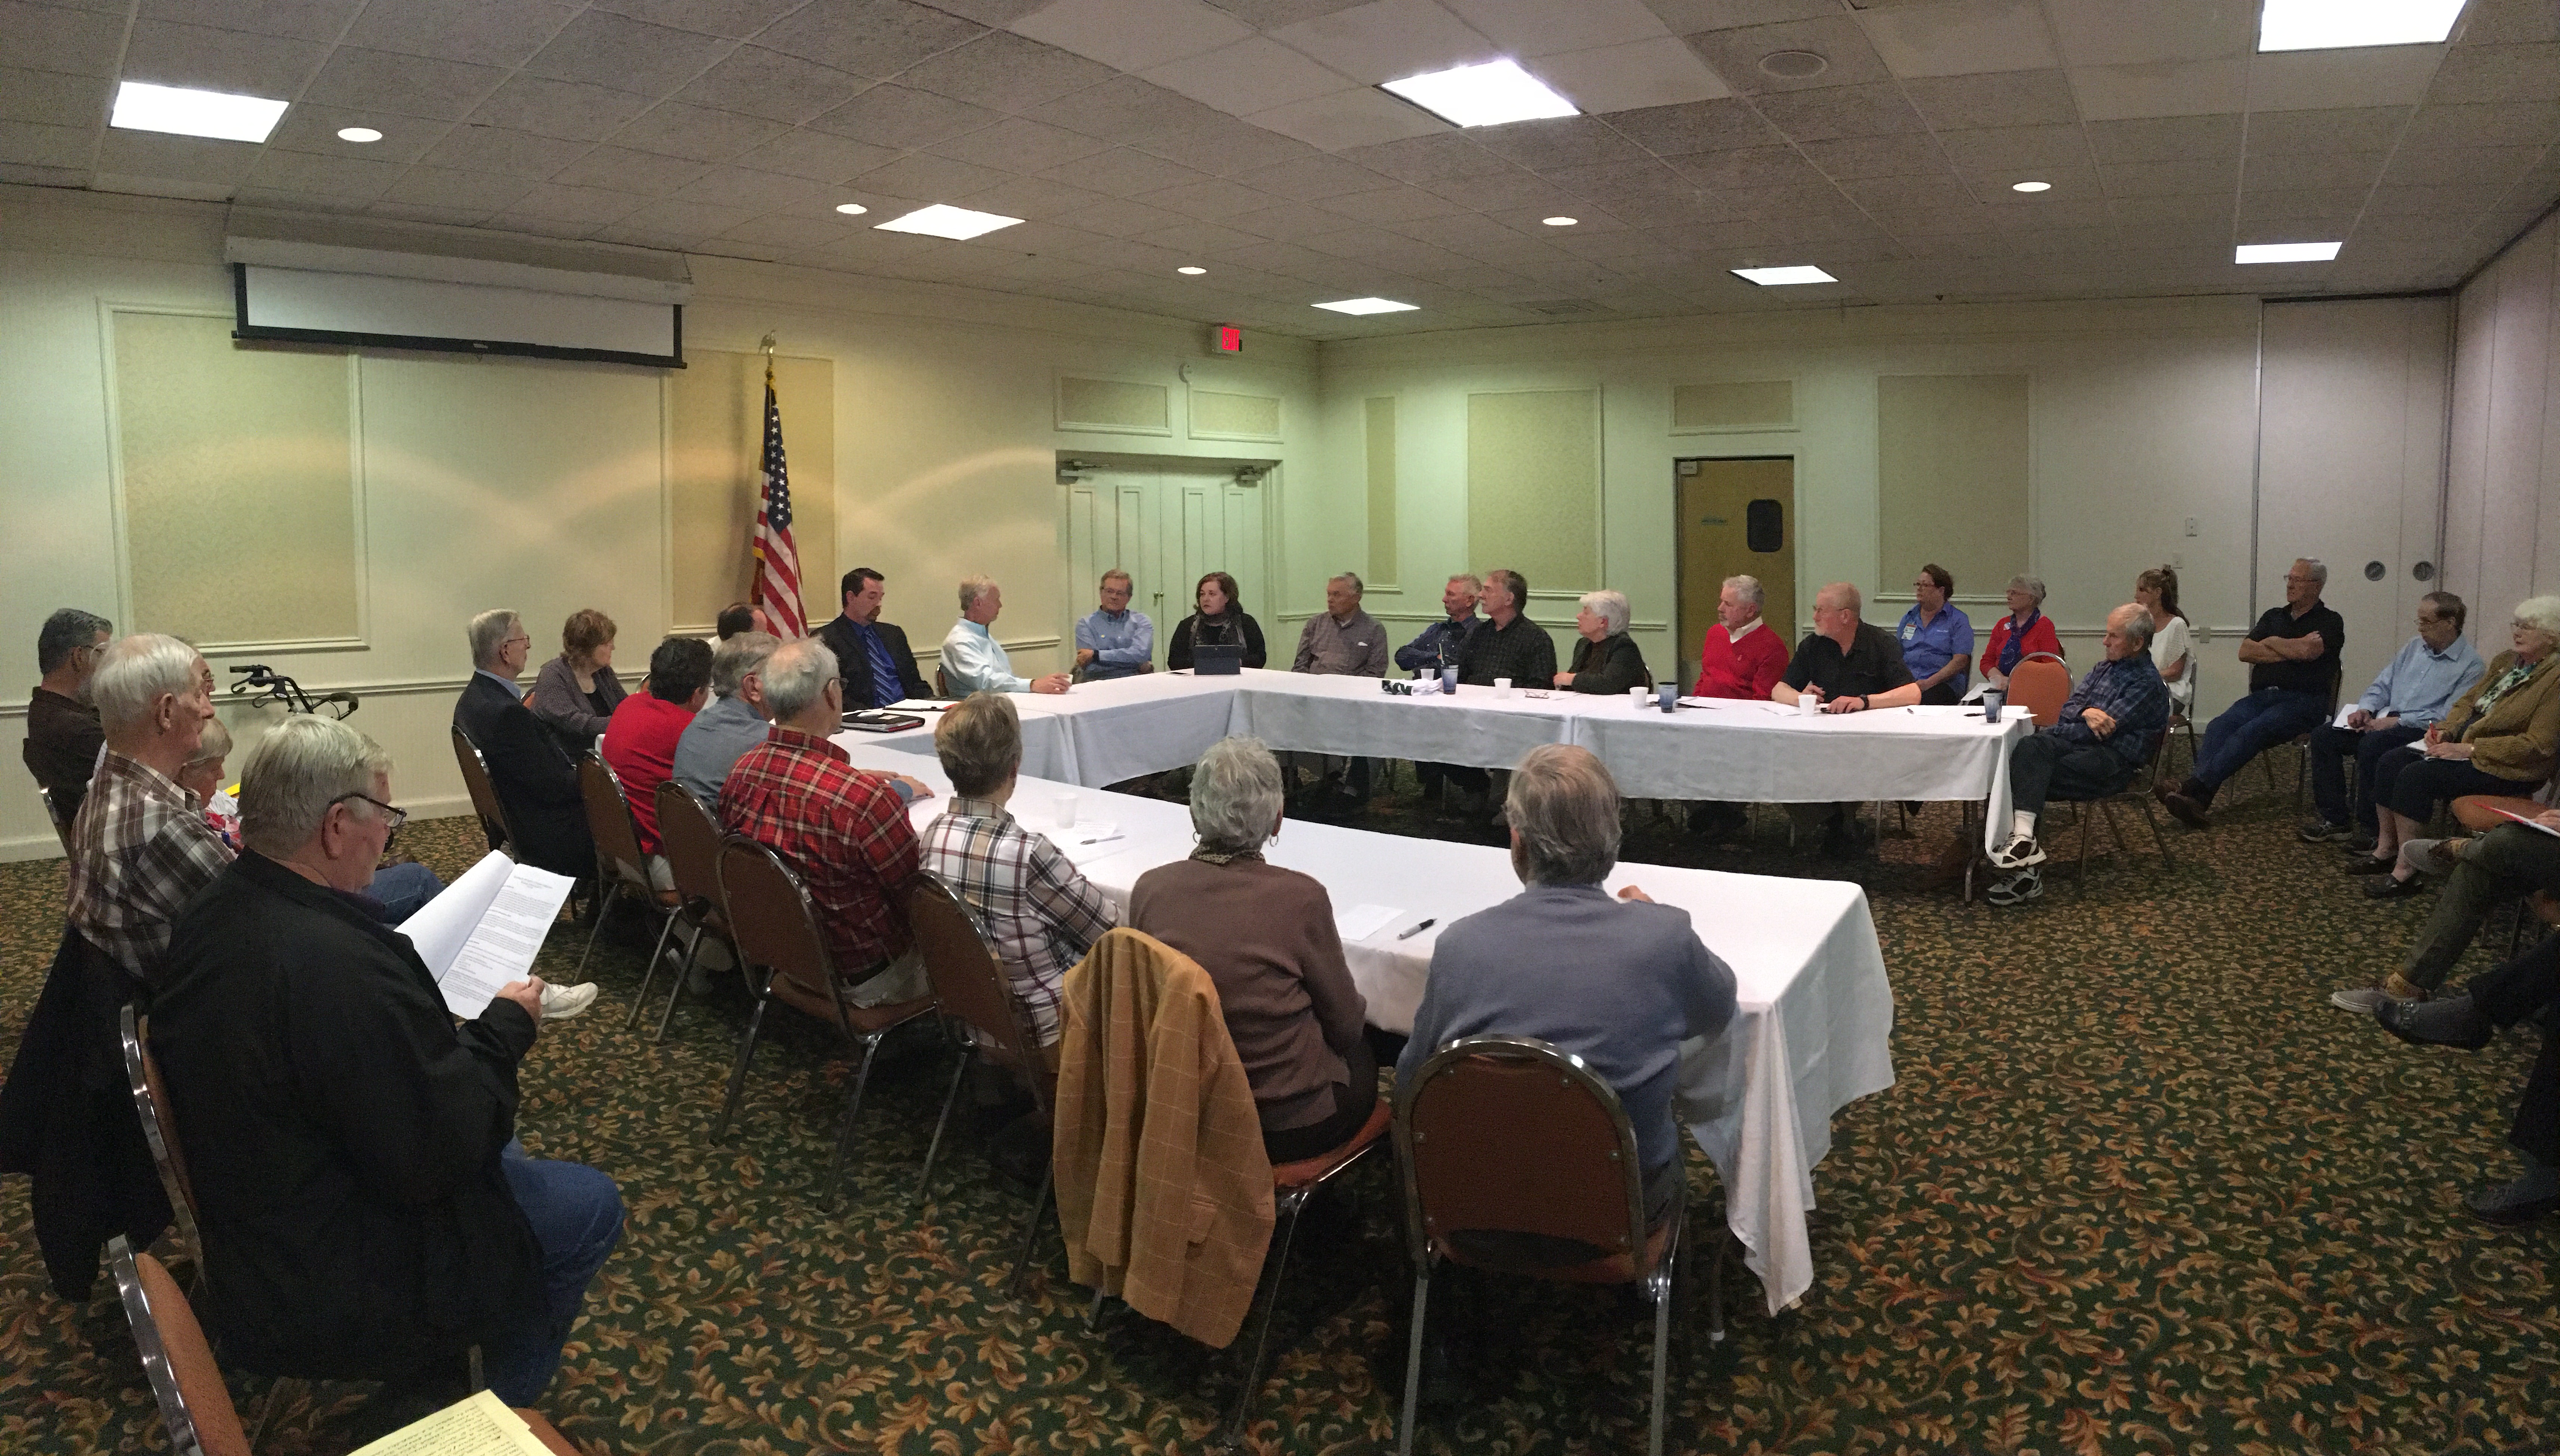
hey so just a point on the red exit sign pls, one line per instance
(1226, 339)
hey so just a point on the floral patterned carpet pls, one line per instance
(2139, 1189)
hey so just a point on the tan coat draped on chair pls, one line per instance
(1163, 1186)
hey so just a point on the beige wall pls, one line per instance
(545, 485)
(2503, 489)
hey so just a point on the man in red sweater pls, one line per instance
(1742, 658)
(640, 742)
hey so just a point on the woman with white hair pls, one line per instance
(1606, 660)
(2502, 737)
(1266, 937)
(2023, 633)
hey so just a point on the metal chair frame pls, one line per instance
(483, 790)
(616, 877)
(54, 817)
(698, 905)
(2139, 792)
(864, 1027)
(181, 1418)
(1657, 1281)
(160, 1131)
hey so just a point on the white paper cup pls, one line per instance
(1806, 705)
(1639, 697)
(1063, 806)
(1501, 687)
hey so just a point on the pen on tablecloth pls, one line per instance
(1104, 839)
(1418, 929)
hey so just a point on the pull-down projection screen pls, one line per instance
(308, 306)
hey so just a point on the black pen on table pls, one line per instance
(1418, 929)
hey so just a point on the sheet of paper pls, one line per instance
(2341, 720)
(1975, 693)
(503, 946)
(481, 1425)
(918, 704)
(1360, 922)
(2527, 823)
(442, 925)
(1089, 841)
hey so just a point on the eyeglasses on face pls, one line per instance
(391, 817)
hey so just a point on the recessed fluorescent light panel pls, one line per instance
(1775, 277)
(944, 220)
(1484, 95)
(1368, 305)
(184, 111)
(2329, 25)
(2285, 252)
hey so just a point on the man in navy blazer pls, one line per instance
(877, 666)
(535, 780)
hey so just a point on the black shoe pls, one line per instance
(2390, 887)
(2448, 1022)
(2511, 1203)
(2187, 811)
(2360, 842)
(2316, 830)
(2367, 864)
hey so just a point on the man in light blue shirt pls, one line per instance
(1114, 642)
(973, 661)
(2422, 680)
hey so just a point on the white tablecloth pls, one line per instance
(1811, 1035)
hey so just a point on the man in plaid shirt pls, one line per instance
(844, 832)
(1040, 912)
(2101, 738)
(142, 846)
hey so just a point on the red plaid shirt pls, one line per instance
(845, 833)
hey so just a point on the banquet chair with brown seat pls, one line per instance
(692, 844)
(484, 803)
(54, 817)
(2042, 685)
(972, 987)
(622, 866)
(160, 1132)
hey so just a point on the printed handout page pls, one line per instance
(481, 1425)
(485, 929)
(1360, 922)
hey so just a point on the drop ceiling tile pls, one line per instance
(1016, 144)
(1130, 254)
(624, 170)
(249, 195)
(1006, 73)
(1226, 147)
(2461, 167)
(1123, 109)
(221, 61)
(1849, 110)
(1131, 34)
(31, 144)
(1663, 71)
(1966, 38)
(2506, 124)
(873, 38)
(1996, 99)
(504, 151)
(2160, 88)
(626, 236)
(2348, 129)
(1386, 40)
(1443, 158)
(936, 179)
(1207, 201)
(442, 187)
(1465, 233)
(1122, 172)
(1791, 203)
(2435, 201)
(1201, 239)
(1355, 242)
(1649, 182)
(481, 32)
(1908, 194)
(593, 207)
(2015, 146)
(301, 20)
(1294, 223)
(2206, 175)
(1844, 158)
(1285, 259)
(2311, 80)
(348, 177)
(1736, 55)
(899, 116)
(1255, 73)
(686, 219)
(1561, 141)
(1700, 127)
(450, 216)
(2474, 75)
(1394, 203)
(754, 82)
(1312, 178)
(609, 49)
(2338, 203)
(759, 192)
(45, 38)
(1348, 119)
(2184, 208)
(2111, 33)
(2507, 22)
(53, 97)
(2163, 138)
(2068, 183)
(817, 155)
(2329, 227)
(1032, 197)
(313, 128)
(733, 19)
(563, 108)
(1120, 217)
(355, 79)
(1540, 28)
(2291, 170)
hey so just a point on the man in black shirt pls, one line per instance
(1506, 644)
(1848, 666)
(2293, 682)
(63, 734)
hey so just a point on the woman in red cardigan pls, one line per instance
(2022, 634)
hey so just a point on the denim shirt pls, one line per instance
(1441, 644)
(1122, 645)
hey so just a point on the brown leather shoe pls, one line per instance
(2188, 812)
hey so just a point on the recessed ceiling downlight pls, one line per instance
(852, 209)
(359, 135)
(2030, 187)
(1560, 222)
(1794, 65)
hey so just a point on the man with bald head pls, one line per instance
(2101, 738)
(1847, 666)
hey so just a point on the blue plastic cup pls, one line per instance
(1669, 695)
(1448, 678)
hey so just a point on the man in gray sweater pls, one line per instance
(1343, 641)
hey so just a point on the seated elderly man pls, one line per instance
(1040, 913)
(1341, 641)
(733, 722)
(63, 732)
(367, 1213)
(842, 831)
(1444, 642)
(1606, 661)
(1508, 648)
(530, 772)
(2489, 871)
(2413, 691)
(1112, 641)
(1619, 983)
(1741, 657)
(1847, 666)
(2524, 987)
(2293, 654)
(143, 846)
(2102, 737)
(1266, 937)
(640, 740)
(973, 661)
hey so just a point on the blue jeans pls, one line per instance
(2331, 746)
(403, 888)
(2251, 727)
(577, 1214)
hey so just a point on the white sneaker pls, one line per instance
(2017, 890)
(2017, 854)
(559, 1003)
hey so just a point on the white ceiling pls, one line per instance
(1247, 138)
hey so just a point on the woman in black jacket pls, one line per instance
(1606, 660)
(1220, 619)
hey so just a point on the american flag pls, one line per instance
(777, 561)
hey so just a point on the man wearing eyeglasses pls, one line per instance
(534, 779)
(368, 1212)
(2293, 655)
(63, 732)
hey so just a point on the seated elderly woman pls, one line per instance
(1606, 660)
(2025, 632)
(2501, 736)
(1266, 937)
(576, 693)
(1040, 914)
